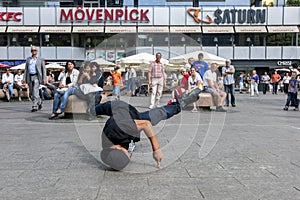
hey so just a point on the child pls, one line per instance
(292, 92)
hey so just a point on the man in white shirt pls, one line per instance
(7, 81)
(21, 85)
(211, 86)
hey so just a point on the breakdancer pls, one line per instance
(124, 126)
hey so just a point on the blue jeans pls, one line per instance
(292, 96)
(229, 89)
(60, 100)
(132, 84)
(275, 87)
(154, 115)
(116, 90)
(10, 88)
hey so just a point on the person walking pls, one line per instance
(132, 80)
(265, 82)
(254, 83)
(286, 80)
(34, 75)
(228, 78)
(292, 92)
(275, 80)
(156, 80)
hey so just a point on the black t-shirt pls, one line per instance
(120, 128)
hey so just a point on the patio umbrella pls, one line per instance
(21, 66)
(140, 59)
(103, 62)
(54, 66)
(4, 65)
(208, 57)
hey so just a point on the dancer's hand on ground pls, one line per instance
(157, 155)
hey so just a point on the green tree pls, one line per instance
(293, 2)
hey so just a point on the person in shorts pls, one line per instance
(211, 86)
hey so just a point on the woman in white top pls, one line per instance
(8, 81)
(195, 81)
(286, 80)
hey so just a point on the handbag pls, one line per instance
(88, 88)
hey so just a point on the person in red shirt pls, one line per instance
(184, 81)
(116, 78)
(275, 80)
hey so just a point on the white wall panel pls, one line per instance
(78, 53)
(177, 51)
(211, 49)
(31, 16)
(16, 53)
(291, 16)
(258, 52)
(241, 52)
(275, 15)
(48, 16)
(144, 50)
(190, 49)
(48, 53)
(289, 52)
(64, 53)
(3, 53)
(274, 53)
(161, 16)
(177, 16)
(226, 52)
(163, 50)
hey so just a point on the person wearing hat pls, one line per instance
(124, 126)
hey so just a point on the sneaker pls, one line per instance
(29, 99)
(233, 105)
(285, 108)
(194, 110)
(40, 107)
(296, 109)
(221, 109)
(151, 106)
(20, 99)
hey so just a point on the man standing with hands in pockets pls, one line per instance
(156, 79)
(35, 74)
(228, 80)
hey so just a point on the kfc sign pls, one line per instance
(10, 16)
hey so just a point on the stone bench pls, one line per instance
(205, 100)
(23, 94)
(76, 105)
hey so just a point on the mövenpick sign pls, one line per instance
(104, 14)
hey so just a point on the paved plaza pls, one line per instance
(251, 152)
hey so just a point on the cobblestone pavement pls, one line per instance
(250, 152)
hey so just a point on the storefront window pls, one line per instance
(3, 40)
(281, 39)
(24, 39)
(78, 40)
(249, 39)
(217, 39)
(56, 39)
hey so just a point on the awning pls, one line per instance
(55, 29)
(22, 29)
(250, 29)
(88, 29)
(217, 29)
(283, 29)
(2, 29)
(120, 29)
(185, 29)
(153, 29)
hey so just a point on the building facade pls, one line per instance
(262, 37)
